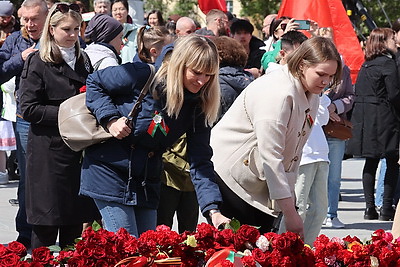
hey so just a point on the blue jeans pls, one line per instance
(21, 134)
(135, 220)
(336, 152)
(379, 187)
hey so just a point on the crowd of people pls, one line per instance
(232, 125)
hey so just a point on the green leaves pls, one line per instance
(96, 226)
(234, 225)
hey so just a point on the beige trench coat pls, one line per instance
(258, 143)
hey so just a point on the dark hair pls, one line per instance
(376, 43)
(242, 25)
(274, 25)
(124, 2)
(161, 21)
(292, 38)
(231, 52)
(126, 5)
(171, 27)
(396, 25)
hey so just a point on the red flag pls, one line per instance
(207, 5)
(329, 13)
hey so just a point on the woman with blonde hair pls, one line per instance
(258, 142)
(50, 76)
(122, 175)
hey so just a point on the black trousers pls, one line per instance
(46, 235)
(183, 203)
(390, 182)
(235, 207)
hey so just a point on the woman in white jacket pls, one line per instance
(258, 143)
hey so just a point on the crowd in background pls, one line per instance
(262, 103)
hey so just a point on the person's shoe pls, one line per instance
(4, 177)
(370, 214)
(334, 223)
(387, 214)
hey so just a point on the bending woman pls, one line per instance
(122, 175)
(258, 143)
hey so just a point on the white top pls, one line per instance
(97, 52)
(316, 148)
(9, 105)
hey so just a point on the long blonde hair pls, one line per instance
(198, 53)
(49, 51)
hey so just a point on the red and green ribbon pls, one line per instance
(157, 122)
(310, 120)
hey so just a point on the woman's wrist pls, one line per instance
(212, 212)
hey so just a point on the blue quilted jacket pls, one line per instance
(128, 171)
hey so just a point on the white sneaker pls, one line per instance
(4, 177)
(334, 223)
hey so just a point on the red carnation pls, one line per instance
(248, 261)
(42, 255)
(9, 260)
(224, 238)
(23, 264)
(64, 255)
(17, 248)
(260, 256)
(3, 251)
(77, 261)
(246, 235)
(162, 228)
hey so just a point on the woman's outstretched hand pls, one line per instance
(218, 219)
(293, 221)
(118, 128)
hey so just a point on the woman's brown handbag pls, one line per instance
(78, 126)
(339, 129)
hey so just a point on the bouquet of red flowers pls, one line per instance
(237, 245)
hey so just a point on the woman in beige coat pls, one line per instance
(258, 143)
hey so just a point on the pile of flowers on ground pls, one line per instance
(235, 246)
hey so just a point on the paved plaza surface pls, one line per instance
(351, 208)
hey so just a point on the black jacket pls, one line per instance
(254, 59)
(52, 168)
(376, 110)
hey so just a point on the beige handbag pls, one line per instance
(78, 126)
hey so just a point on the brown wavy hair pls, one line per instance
(230, 51)
(376, 43)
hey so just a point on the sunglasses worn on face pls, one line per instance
(64, 8)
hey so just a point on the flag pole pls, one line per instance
(384, 12)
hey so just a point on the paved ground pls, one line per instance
(351, 208)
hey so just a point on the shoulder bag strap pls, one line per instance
(245, 109)
(143, 93)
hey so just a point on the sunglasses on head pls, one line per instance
(64, 8)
